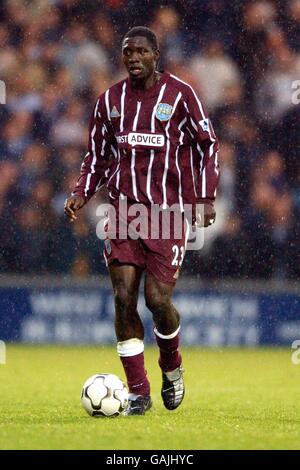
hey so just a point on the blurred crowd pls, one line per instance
(242, 57)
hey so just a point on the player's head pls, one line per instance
(140, 52)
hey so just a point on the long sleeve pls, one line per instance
(206, 149)
(96, 163)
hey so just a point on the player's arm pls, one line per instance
(94, 166)
(206, 145)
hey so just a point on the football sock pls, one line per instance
(131, 353)
(169, 358)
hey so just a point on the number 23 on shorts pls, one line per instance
(179, 253)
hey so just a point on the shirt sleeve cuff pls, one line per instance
(79, 193)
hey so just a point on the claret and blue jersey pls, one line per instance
(155, 146)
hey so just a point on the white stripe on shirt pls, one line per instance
(93, 149)
(107, 104)
(103, 142)
(115, 155)
(216, 163)
(96, 109)
(161, 93)
(122, 107)
(203, 183)
(177, 165)
(87, 184)
(118, 170)
(213, 140)
(93, 162)
(165, 202)
(195, 94)
(192, 169)
(211, 147)
(133, 176)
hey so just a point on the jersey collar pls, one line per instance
(143, 94)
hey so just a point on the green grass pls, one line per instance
(235, 399)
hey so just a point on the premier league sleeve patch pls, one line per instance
(204, 124)
(164, 111)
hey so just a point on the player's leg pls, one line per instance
(130, 334)
(126, 281)
(158, 297)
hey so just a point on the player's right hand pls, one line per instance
(204, 215)
(72, 205)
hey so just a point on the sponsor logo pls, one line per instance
(204, 124)
(164, 111)
(122, 139)
(137, 138)
(114, 113)
(153, 140)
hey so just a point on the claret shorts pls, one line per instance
(155, 241)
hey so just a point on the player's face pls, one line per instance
(139, 58)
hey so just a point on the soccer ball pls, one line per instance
(104, 395)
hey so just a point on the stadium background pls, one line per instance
(56, 56)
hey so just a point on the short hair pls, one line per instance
(144, 32)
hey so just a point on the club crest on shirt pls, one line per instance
(164, 111)
(204, 124)
(114, 113)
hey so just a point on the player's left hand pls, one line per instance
(205, 215)
(72, 205)
(209, 214)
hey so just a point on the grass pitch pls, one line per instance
(235, 399)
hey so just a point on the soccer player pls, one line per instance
(152, 143)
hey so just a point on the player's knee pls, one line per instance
(158, 304)
(125, 299)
